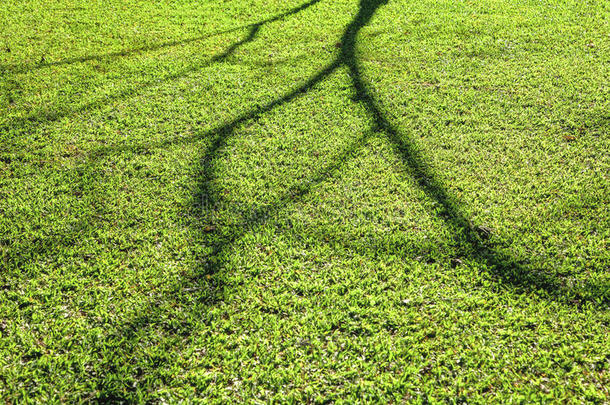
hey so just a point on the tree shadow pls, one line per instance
(30, 122)
(22, 68)
(470, 239)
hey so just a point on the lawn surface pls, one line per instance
(316, 201)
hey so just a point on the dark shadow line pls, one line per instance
(202, 281)
(262, 215)
(20, 68)
(206, 195)
(502, 265)
(203, 278)
(52, 242)
(31, 122)
(471, 239)
(218, 135)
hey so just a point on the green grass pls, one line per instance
(263, 201)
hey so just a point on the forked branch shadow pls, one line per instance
(506, 268)
(470, 240)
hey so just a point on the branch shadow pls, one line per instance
(470, 239)
(112, 386)
(30, 122)
(22, 68)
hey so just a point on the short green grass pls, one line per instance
(322, 201)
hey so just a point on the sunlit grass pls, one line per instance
(318, 201)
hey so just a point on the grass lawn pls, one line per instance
(288, 201)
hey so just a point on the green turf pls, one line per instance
(262, 201)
